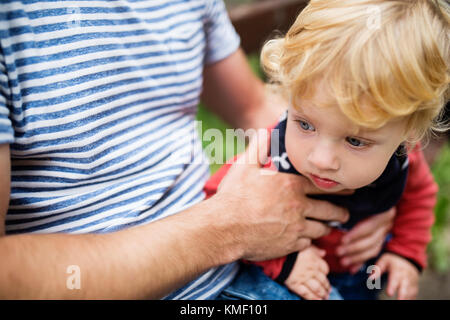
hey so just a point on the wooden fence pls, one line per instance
(256, 22)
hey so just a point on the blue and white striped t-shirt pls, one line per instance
(98, 102)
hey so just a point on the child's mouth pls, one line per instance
(323, 183)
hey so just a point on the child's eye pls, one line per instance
(305, 125)
(356, 142)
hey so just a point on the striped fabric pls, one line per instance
(98, 102)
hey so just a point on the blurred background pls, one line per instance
(257, 21)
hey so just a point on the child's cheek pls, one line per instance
(362, 173)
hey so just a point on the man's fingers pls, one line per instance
(325, 211)
(302, 244)
(315, 229)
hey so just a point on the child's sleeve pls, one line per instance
(411, 232)
(277, 269)
(213, 182)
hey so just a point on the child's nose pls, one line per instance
(324, 158)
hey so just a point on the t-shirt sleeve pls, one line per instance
(221, 37)
(6, 129)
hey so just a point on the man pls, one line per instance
(95, 172)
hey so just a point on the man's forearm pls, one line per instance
(267, 112)
(144, 262)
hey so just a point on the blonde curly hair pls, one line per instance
(381, 59)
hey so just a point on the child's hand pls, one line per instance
(365, 240)
(308, 278)
(403, 276)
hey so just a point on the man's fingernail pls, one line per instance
(340, 251)
(345, 262)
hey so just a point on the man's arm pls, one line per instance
(132, 263)
(152, 260)
(5, 182)
(143, 262)
(232, 91)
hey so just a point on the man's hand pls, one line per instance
(403, 276)
(365, 240)
(269, 212)
(308, 278)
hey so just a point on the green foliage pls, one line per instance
(211, 121)
(253, 61)
(439, 249)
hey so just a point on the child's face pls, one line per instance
(335, 154)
